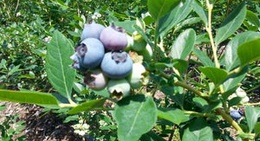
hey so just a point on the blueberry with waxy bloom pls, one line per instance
(114, 38)
(116, 65)
(89, 54)
(235, 114)
(95, 79)
(91, 30)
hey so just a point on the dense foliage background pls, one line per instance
(27, 28)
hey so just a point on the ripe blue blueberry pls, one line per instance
(114, 38)
(116, 65)
(89, 54)
(235, 114)
(91, 30)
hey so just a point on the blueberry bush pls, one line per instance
(144, 70)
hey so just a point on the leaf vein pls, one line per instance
(135, 119)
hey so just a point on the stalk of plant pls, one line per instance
(214, 50)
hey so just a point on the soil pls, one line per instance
(40, 126)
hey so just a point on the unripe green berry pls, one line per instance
(147, 53)
(136, 77)
(118, 88)
(137, 42)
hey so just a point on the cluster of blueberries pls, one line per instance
(102, 57)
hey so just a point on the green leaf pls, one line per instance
(257, 128)
(203, 57)
(252, 114)
(200, 11)
(176, 116)
(103, 93)
(231, 23)
(175, 16)
(231, 56)
(162, 65)
(249, 51)
(58, 62)
(159, 8)
(151, 136)
(252, 18)
(202, 38)
(79, 88)
(29, 97)
(187, 22)
(214, 105)
(135, 115)
(217, 76)
(234, 101)
(71, 118)
(145, 37)
(200, 102)
(183, 45)
(126, 25)
(88, 106)
(233, 82)
(181, 65)
(61, 4)
(198, 131)
(176, 94)
(74, 34)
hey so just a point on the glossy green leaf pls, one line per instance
(159, 8)
(252, 114)
(217, 76)
(175, 16)
(29, 97)
(176, 116)
(249, 51)
(231, 23)
(135, 115)
(198, 131)
(88, 106)
(200, 11)
(203, 57)
(58, 62)
(183, 45)
(231, 56)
